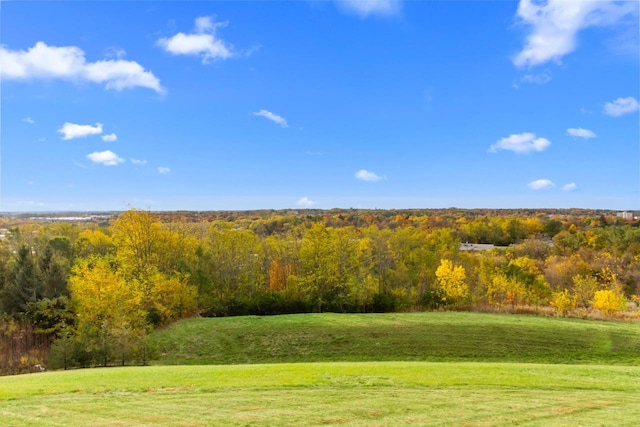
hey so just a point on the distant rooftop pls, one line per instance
(478, 247)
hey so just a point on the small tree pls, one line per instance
(608, 302)
(563, 301)
(451, 279)
(584, 288)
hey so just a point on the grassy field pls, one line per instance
(368, 393)
(445, 336)
(453, 369)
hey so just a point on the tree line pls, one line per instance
(91, 294)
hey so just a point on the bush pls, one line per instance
(432, 299)
(384, 303)
(608, 302)
(563, 301)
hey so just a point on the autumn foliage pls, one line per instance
(98, 290)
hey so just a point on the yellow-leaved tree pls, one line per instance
(172, 297)
(150, 257)
(503, 290)
(451, 280)
(562, 301)
(608, 301)
(111, 320)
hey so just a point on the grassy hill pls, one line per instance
(326, 394)
(375, 369)
(396, 337)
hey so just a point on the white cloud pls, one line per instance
(555, 24)
(110, 137)
(115, 52)
(273, 117)
(69, 63)
(538, 79)
(72, 130)
(29, 120)
(306, 202)
(521, 143)
(107, 158)
(581, 133)
(541, 184)
(365, 175)
(364, 8)
(137, 161)
(203, 42)
(570, 187)
(205, 24)
(621, 106)
(80, 165)
(163, 170)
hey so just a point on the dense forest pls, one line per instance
(88, 293)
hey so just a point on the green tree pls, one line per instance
(53, 273)
(22, 286)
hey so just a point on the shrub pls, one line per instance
(608, 302)
(563, 301)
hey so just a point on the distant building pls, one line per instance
(476, 247)
(625, 215)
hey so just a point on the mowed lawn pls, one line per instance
(454, 369)
(438, 336)
(366, 393)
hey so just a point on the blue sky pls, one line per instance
(364, 104)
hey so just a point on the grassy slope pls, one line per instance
(399, 336)
(354, 393)
(370, 393)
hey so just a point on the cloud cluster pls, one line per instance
(621, 106)
(364, 8)
(581, 133)
(365, 175)
(306, 202)
(202, 42)
(72, 130)
(107, 158)
(163, 170)
(554, 25)
(521, 143)
(110, 137)
(541, 184)
(545, 184)
(538, 79)
(69, 63)
(273, 117)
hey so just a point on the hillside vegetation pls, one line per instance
(435, 336)
(91, 293)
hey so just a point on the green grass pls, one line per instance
(352, 394)
(397, 337)
(440, 369)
